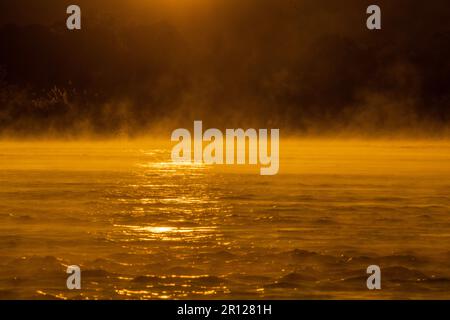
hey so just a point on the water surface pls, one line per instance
(142, 227)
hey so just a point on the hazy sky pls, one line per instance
(301, 65)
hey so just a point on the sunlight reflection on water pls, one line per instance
(165, 233)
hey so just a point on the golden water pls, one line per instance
(142, 227)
